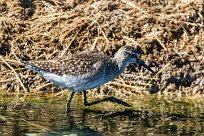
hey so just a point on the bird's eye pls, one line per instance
(133, 55)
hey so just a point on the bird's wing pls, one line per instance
(83, 63)
(75, 65)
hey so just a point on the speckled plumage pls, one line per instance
(76, 65)
(86, 70)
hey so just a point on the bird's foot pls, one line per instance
(68, 110)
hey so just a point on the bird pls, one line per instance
(87, 70)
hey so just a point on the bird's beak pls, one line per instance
(141, 63)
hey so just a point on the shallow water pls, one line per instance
(42, 116)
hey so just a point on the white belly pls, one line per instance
(76, 84)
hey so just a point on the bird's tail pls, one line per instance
(30, 65)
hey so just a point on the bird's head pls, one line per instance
(131, 55)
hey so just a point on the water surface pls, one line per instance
(36, 116)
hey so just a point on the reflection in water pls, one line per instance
(72, 132)
(45, 117)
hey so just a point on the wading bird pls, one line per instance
(86, 71)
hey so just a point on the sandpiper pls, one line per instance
(87, 70)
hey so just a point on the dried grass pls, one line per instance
(170, 33)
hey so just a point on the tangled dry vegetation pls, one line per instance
(171, 34)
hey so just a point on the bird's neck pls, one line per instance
(121, 61)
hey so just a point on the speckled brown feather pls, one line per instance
(75, 65)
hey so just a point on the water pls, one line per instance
(36, 116)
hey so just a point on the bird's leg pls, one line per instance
(69, 102)
(112, 99)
